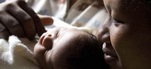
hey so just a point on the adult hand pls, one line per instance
(17, 18)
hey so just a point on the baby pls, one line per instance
(69, 48)
(59, 48)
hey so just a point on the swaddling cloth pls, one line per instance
(15, 55)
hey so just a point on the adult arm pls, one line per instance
(17, 18)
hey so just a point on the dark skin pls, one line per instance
(30, 24)
(17, 16)
(88, 55)
(21, 18)
(68, 48)
(126, 34)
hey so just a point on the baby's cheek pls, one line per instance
(62, 59)
(39, 50)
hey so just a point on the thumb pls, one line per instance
(46, 20)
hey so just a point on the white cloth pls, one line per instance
(53, 8)
(15, 55)
(83, 13)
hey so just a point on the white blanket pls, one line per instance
(15, 55)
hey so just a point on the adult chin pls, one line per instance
(110, 56)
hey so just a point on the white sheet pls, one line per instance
(15, 55)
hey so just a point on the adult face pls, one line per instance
(126, 34)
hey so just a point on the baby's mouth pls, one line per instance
(109, 53)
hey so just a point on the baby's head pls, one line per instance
(69, 48)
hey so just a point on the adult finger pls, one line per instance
(4, 33)
(46, 20)
(23, 18)
(38, 25)
(11, 24)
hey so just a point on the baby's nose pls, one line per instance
(47, 41)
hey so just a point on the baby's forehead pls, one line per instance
(76, 31)
(80, 32)
(71, 33)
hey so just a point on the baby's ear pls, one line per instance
(46, 20)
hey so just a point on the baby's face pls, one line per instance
(57, 47)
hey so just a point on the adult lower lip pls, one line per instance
(109, 53)
(109, 58)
